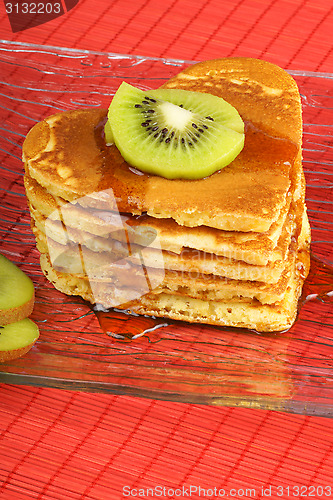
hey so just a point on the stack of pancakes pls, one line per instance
(231, 249)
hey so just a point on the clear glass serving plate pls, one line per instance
(291, 371)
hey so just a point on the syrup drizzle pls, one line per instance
(319, 283)
(127, 326)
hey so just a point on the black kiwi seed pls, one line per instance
(163, 134)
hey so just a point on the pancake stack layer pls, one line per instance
(231, 249)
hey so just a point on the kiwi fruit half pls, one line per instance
(174, 133)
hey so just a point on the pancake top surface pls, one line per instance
(66, 154)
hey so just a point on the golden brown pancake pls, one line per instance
(263, 93)
(224, 250)
(188, 261)
(236, 311)
(189, 283)
(66, 155)
(97, 227)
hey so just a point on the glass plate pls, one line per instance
(291, 372)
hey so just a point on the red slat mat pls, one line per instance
(69, 445)
(73, 445)
(295, 34)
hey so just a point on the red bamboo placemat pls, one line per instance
(69, 445)
(296, 34)
(62, 444)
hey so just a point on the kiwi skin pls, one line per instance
(191, 138)
(15, 314)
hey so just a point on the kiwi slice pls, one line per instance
(17, 293)
(16, 339)
(175, 133)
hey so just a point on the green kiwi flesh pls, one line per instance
(16, 292)
(174, 133)
(16, 339)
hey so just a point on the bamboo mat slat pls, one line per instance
(295, 34)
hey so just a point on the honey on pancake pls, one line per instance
(278, 152)
(247, 195)
(250, 195)
(245, 186)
